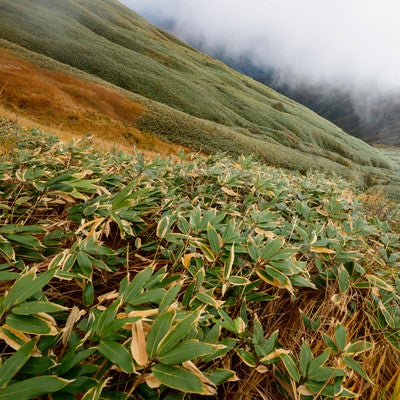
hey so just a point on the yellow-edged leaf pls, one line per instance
(322, 250)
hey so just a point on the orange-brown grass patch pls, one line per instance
(72, 107)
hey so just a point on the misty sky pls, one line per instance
(352, 42)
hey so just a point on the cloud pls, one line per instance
(353, 43)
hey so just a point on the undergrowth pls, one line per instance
(176, 278)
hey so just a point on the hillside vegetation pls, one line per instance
(71, 106)
(188, 98)
(170, 279)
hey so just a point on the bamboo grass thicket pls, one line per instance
(190, 276)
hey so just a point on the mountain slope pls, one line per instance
(372, 116)
(71, 106)
(376, 122)
(187, 97)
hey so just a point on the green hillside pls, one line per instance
(168, 279)
(189, 98)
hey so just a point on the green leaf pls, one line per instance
(324, 388)
(34, 387)
(324, 374)
(387, 316)
(34, 307)
(169, 297)
(298, 280)
(220, 376)
(181, 379)
(14, 363)
(7, 250)
(121, 199)
(33, 229)
(33, 324)
(149, 296)
(106, 318)
(36, 366)
(271, 249)
(95, 392)
(227, 322)
(238, 281)
(246, 357)
(26, 286)
(85, 264)
(71, 359)
(214, 239)
(275, 278)
(186, 350)
(8, 276)
(319, 361)
(81, 384)
(163, 226)
(27, 241)
(379, 283)
(178, 333)
(135, 288)
(117, 354)
(290, 366)
(341, 337)
(313, 325)
(229, 262)
(161, 326)
(358, 347)
(207, 299)
(88, 294)
(344, 279)
(355, 366)
(330, 343)
(305, 358)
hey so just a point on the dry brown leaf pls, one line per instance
(209, 387)
(274, 354)
(108, 296)
(152, 382)
(138, 344)
(267, 234)
(230, 192)
(73, 318)
(187, 257)
(322, 250)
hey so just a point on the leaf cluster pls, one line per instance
(189, 276)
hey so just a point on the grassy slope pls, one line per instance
(72, 106)
(287, 274)
(189, 98)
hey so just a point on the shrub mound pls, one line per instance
(189, 276)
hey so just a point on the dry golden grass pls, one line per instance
(72, 107)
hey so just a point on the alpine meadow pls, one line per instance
(182, 231)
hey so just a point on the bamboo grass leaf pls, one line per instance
(34, 387)
(214, 239)
(160, 328)
(34, 307)
(187, 350)
(117, 354)
(178, 333)
(355, 366)
(31, 324)
(14, 363)
(181, 379)
(26, 286)
(341, 337)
